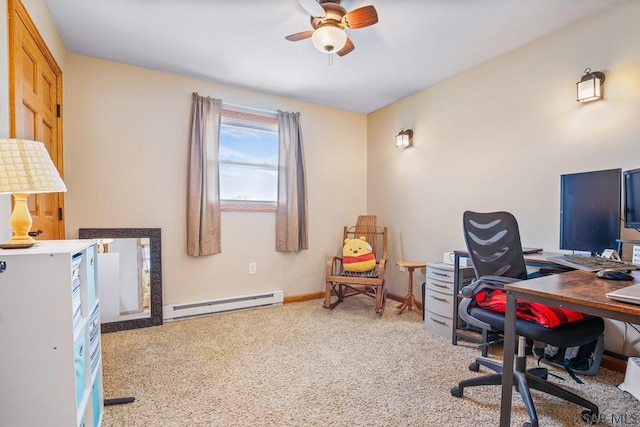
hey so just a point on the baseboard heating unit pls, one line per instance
(179, 311)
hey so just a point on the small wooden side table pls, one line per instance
(410, 300)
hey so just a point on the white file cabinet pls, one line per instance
(50, 360)
(439, 297)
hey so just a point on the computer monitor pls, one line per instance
(632, 198)
(590, 209)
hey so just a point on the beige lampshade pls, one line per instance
(26, 167)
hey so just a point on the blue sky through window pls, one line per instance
(248, 164)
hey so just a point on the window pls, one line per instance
(248, 161)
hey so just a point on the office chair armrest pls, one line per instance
(486, 282)
(463, 312)
(475, 287)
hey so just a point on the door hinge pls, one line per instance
(59, 214)
(57, 110)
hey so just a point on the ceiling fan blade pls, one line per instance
(312, 7)
(361, 17)
(348, 47)
(299, 36)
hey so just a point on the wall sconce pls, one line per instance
(589, 87)
(403, 137)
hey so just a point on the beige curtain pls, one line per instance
(291, 210)
(203, 187)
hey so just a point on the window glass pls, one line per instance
(248, 160)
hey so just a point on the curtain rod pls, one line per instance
(275, 113)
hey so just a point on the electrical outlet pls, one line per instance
(252, 268)
(403, 269)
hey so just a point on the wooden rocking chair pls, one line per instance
(370, 283)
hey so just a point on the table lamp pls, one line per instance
(25, 168)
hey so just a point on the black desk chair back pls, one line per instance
(493, 243)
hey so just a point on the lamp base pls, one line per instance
(19, 239)
(24, 245)
(20, 223)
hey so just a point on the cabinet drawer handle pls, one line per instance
(440, 274)
(440, 286)
(438, 299)
(438, 321)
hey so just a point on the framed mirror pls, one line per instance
(129, 276)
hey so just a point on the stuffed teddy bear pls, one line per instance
(357, 255)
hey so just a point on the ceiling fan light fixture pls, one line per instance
(329, 38)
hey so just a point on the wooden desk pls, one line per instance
(577, 290)
(410, 300)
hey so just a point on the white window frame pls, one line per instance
(237, 117)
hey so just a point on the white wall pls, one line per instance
(126, 146)
(499, 136)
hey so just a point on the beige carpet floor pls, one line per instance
(302, 365)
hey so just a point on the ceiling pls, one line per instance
(415, 44)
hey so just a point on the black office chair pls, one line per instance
(493, 243)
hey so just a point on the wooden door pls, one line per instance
(35, 86)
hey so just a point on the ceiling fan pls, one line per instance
(329, 20)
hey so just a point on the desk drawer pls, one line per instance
(439, 285)
(438, 302)
(444, 272)
(440, 274)
(437, 324)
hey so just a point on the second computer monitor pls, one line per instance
(632, 198)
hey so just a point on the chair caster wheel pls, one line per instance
(589, 416)
(456, 392)
(474, 367)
